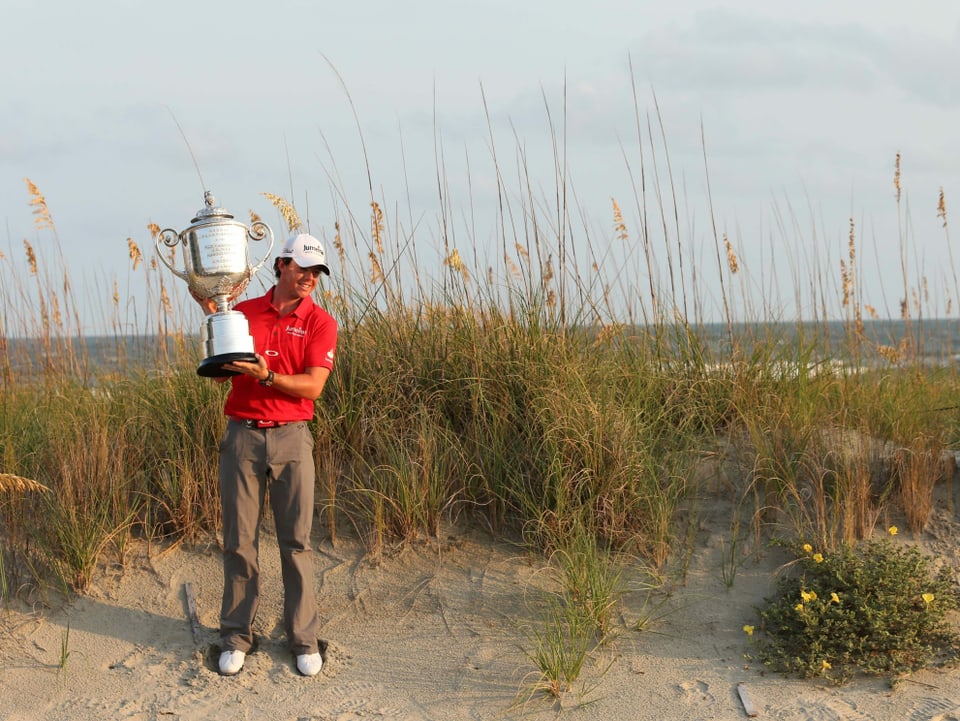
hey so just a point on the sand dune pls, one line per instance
(429, 632)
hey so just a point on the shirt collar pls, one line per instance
(303, 307)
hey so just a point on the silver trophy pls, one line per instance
(216, 267)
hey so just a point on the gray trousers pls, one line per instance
(250, 461)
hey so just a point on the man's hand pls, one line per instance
(257, 371)
(209, 305)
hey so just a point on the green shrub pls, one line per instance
(876, 608)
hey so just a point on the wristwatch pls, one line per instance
(268, 381)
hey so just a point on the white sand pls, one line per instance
(425, 634)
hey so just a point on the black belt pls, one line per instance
(258, 424)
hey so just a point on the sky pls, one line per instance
(123, 111)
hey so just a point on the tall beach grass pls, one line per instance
(539, 395)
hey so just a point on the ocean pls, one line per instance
(931, 342)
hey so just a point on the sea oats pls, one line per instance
(851, 244)
(376, 272)
(547, 273)
(847, 283)
(455, 263)
(608, 332)
(338, 242)
(942, 208)
(888, 353)
(40, 210)
(618, 225)
(896, 176)
(9, 483)
(376, 226)
(154, 230)
(731, 256)
(31, 257)
(165, 298)
(133, 250)
(287, 211)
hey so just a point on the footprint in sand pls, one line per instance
(695, 692)
(818, 709)
(935, 709)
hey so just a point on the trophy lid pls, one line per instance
(210, 210)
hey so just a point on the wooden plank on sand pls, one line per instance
(745, 700)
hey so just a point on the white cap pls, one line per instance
(306, 251)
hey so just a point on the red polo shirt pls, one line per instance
(305, 338)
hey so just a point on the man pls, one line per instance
(267, 444)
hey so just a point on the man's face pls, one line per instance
(296, 280)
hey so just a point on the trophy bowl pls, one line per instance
(216, 267)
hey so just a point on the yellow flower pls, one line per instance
(834, 597)
(927, 597)
(893, 530)
(807, 548)
(825, 664)
(798, 607)
(818, 557)
(808, 595)
(748, 630)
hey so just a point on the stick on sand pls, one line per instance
(192, 610)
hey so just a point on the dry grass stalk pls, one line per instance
(376, 226)
(618, 225)
(9, 483)
(896, 176)
(287, 211)
(376, 272)
(338, 244)
(455, 263)
(165, 298)
(731, 256)
(57, 317)
(31, 257)
(917, 469)
(42, 218)
(133, 250)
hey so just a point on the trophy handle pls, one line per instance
(169, 237)
(258, 231)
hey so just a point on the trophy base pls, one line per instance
(212, 367)
(225, 336)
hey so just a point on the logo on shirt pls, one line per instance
(294, 330)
